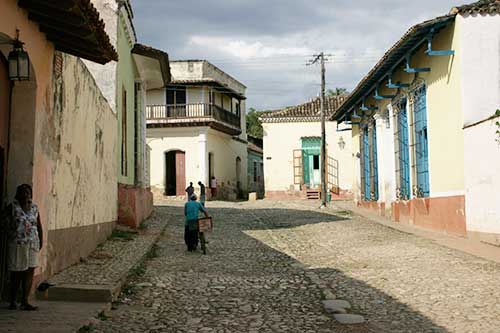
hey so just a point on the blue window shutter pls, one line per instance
(421, 143)
(404, 152)
(375, 162)
(366, 163)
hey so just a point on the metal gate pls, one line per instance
(333, 175)
(298, 178)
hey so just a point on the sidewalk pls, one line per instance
(476, 248)
(85, 291)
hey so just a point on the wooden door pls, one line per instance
(4, 132)
(180, 173)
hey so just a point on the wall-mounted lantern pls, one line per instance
(19, 62)
(341, 143)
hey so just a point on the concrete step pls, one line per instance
(84, 293)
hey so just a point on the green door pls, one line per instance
(311, 153)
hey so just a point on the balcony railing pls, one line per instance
(199, 111)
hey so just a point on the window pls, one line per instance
(176, 95)
(124, 133)
(402, 150)
(369, 162)
(316, 162)
(421, 153)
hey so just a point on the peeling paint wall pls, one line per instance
(85, 173)
(79, 158)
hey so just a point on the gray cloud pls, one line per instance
(236, 34)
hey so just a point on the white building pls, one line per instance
(196, 130)
(292, 162)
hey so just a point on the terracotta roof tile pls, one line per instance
(309, 111)
(74, 26)
(479, 7)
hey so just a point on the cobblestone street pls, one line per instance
(257, 277)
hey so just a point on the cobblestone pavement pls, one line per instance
(256, 277)
(112, 261)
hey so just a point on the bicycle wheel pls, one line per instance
(203, 243)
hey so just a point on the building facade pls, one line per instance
(57, 130)
(125, 83)
(423, 126)
(255, 167)
(292, 144)
(196, 130)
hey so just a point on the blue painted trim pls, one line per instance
(396, 85)
(431, 52)
(377, 96)
(408, 68)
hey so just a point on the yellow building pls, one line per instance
(422, 122)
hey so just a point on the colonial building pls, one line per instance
(124, 83)
(57, 131)
(255, 166)
(292, 144)
(196, 129)
(423, 126)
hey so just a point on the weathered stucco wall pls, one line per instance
(188, 140)
(80, 140)
(225, 151)
(105, 75)
(85, 174)
(281, 139)
(481, 97)
(163, 140)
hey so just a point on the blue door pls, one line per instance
(421, 144)
(404, 152)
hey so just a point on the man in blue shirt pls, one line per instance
(191, 210)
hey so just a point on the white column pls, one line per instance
(203, 156)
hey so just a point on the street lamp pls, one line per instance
(341, 143)
(19, 62)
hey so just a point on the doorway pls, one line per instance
(4, 138)
(311, 161)
(175, 172)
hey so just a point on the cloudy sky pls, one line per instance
(265, 44)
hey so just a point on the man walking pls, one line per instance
(190, 190)
(213, 187)
(202, 193)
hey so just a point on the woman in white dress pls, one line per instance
(25, 241)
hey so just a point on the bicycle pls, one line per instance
(205, 224)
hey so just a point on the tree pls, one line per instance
(336, 92)
(254, 126)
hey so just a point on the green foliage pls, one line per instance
(336, 92)
(254, 126)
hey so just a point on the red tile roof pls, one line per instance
(479, 7)
(309, 111)
(74, 26)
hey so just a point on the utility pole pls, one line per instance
(321, 58)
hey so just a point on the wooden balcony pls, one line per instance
(189, 115)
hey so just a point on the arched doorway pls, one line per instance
(175, 172)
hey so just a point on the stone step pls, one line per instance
(84, 293)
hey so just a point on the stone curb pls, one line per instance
(99, 293)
